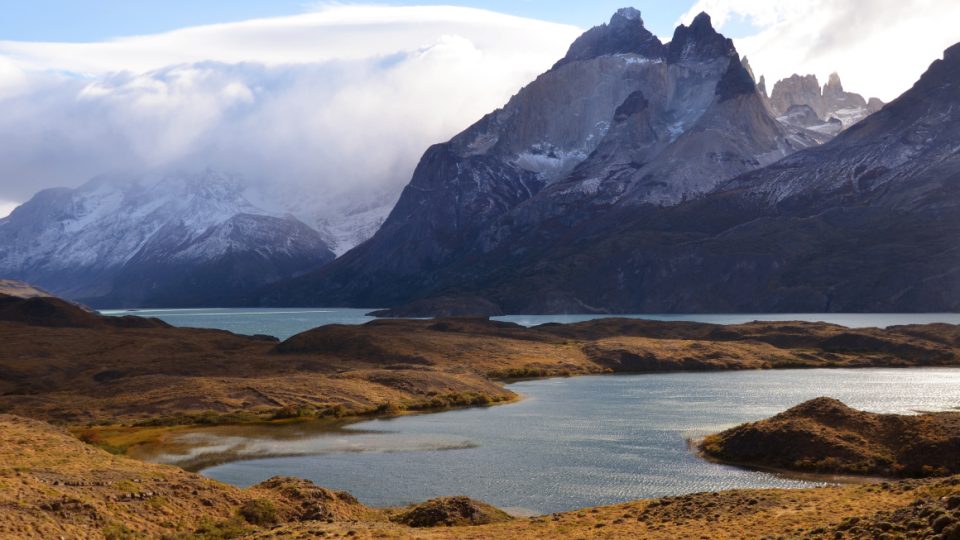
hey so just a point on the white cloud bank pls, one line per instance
(347, 98)
(344, 99)
(879, 47)
(6, 207)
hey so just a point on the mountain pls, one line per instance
(800, 101)
(867, 222)
(344, 218)
(621, 120)
(157, 240)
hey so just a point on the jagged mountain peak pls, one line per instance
(952, 53)
(702, 22)
(836, 109)
(746, 65)
(625, 34)
(626, 14)
(942, 71)
(833, 83)
(699, 42)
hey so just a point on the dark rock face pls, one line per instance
(699, 41)
(625, 34)
(736, 81)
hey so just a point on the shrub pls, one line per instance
(260, 512)
(118, 531)
(287, 413)
(215, 530)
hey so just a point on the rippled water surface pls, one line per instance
(574, 442)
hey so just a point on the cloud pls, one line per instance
(13, 81)
(336, 32)
(342, 100)
(6, 207)
(879, 47)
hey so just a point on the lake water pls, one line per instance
(278, 322)
(285, 322)
(570, 443)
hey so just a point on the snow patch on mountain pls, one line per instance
(75, 241)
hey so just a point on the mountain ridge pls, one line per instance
(648, 127)
(862, 223)
(154, 241)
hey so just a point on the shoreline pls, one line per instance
(338, 425)
(823, 478)
(122, 383)
(60, 482)
(816, 478)
(132, 440)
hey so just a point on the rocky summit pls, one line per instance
(801, 102)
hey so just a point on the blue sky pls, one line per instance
(95, 20)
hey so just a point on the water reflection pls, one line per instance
(571, 443)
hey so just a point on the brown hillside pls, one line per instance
(52, 486)
(65, 364)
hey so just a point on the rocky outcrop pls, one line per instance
(797, 90)
(926, 517)
(825, 436)
(450, 512)
(295, 499)
(834, 108)
(625, 34)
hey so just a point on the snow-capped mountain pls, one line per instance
(622, 119)
(146, 240)
(578, 196)
(344, 219)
